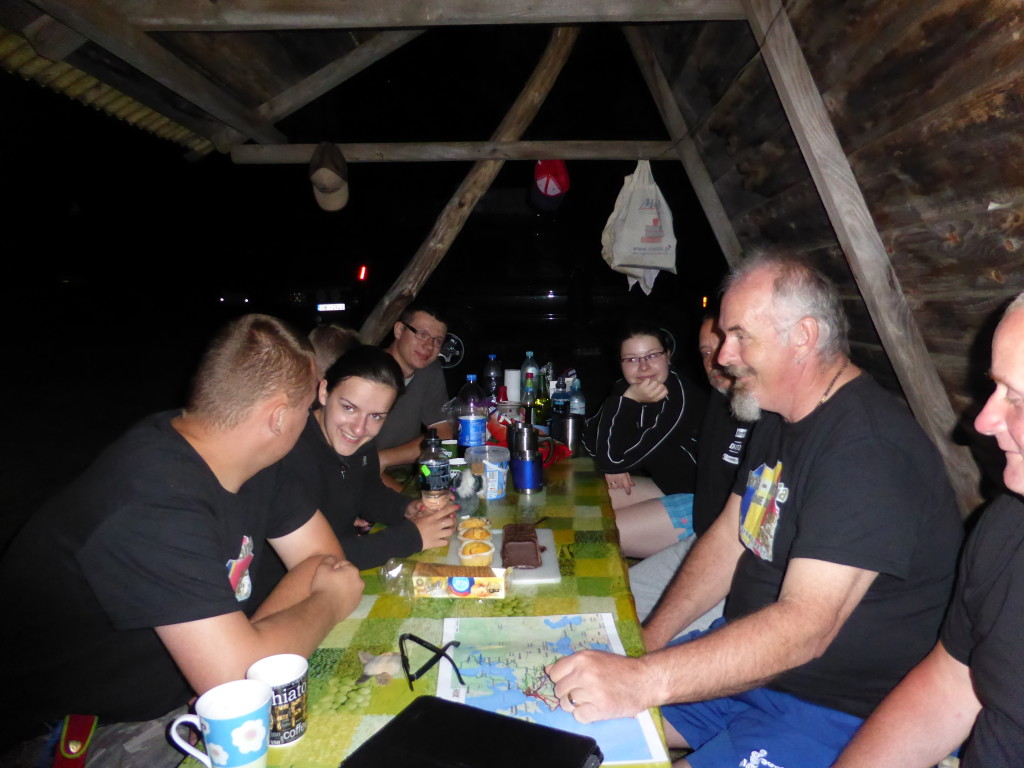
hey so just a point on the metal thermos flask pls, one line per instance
(524, 460)
(568, 429)
(527, 473)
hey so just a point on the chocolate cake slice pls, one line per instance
(519, 548)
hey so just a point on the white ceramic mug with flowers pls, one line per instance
(234, 720)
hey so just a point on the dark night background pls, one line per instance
(122, 256)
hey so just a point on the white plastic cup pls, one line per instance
(495, 460)
(286, 674)
(234, 721)
(455, 468)
(513, 383)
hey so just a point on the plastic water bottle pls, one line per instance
(494, 375)
(577, 402)
(472, 415)
(529, 366)
(560, 399)
(434, 472)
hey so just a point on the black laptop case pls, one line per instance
(436, 733)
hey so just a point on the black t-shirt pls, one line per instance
(856, 483)
(346, 487)
(723, 439)
(985, 630)
(657, 438)
(146, 537)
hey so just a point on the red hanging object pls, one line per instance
(550, 183)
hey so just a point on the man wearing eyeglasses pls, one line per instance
(419, 335)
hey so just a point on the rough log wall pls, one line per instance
(928, 102)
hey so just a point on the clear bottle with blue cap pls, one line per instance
(472, 415)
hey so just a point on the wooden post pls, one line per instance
(451, 220)
(686, 148)
(856, 232)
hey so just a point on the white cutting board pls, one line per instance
(548, 572)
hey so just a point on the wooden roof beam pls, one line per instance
(856, 232)
(113, 32)
(321, 81)
(235, 15)
(49, 38)
(455, 151)
(451, 220)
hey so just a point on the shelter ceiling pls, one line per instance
(229, 72)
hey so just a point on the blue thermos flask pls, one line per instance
(524, 459)
(527, 474)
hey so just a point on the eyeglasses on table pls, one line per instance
(436, 655)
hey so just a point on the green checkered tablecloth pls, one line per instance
(345, 709)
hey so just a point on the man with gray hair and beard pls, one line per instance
(836, 551)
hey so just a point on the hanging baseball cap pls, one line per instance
(550, 183)
(329, 174)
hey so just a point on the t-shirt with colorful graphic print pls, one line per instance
(856, 483)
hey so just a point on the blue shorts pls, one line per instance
(760, 728)
(680, 511)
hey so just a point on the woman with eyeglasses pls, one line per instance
(335, 461)
(644, 438)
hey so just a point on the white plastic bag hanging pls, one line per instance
(638, 239)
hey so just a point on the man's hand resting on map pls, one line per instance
(594, 685)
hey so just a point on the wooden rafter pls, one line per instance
(323, 80)
(684, 145)
(296, 154)
(52, 39)
(451, 220)
(856, 232)
(234, 15)
(111, 31)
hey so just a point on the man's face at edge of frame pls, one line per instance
(1003, 414)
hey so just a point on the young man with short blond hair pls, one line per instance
(129, 592)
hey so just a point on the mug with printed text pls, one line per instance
(286, 674)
